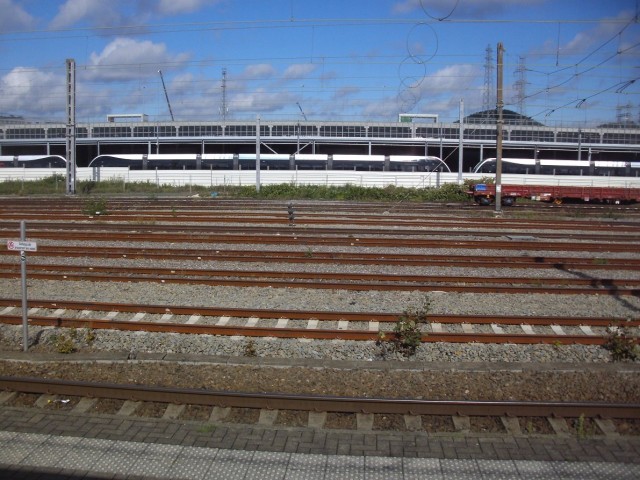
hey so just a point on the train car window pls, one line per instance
(109, 161)
(486, 167)
(509, 167)
(172, 164)
(609, 171)
(43, 162)
(217, 164)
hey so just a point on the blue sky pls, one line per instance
(566, 63)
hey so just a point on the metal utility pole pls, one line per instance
(461, 142)
(71, 127)
(166, 95)
(499, 107)
(258, 153)
(487, 94)
(223, 107)
(521, 85)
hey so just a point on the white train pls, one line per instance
(32, 161)
(244, 161)
(607, 168)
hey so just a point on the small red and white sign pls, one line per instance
(22, 245)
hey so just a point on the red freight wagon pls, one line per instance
(484, 194)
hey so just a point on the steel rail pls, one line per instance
(322, 315)
(305, 333)
(431, 286)
(273, 256)
(281, 217)
(403, 208)
(295, 237)
(364, 278)
(207, 229)
(322, 403)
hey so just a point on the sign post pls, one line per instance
(23, 246)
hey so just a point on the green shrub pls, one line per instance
(63, 344)
(95, 207)
(407, 334)
(621, 345)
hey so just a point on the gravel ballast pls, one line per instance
(437, 370)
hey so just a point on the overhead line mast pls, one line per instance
(166, 95)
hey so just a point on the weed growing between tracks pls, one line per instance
(71, 340)
(406, 336)
(250, 349)
(621, 344)
(94, 207)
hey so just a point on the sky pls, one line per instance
(573, 63)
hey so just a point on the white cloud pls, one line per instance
(450, 79)
(476, 8)
(299, 70)
(126, 59)
(14, 17)
(260, 70)
(260, 101)
(346, 92)
(96, 12)
(175, 7)
(114, 13)
(605, 31)
(32, 92)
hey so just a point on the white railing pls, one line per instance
(216, 178)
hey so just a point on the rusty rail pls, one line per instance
(358, 258)
(284, 401)
(322, 315)
(457, 284)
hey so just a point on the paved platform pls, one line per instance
(42, 444)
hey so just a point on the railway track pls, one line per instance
(319, 325)
(178, 204)
(319, 403)
(215, 231)
(337, 281)
(571, 231)
(305, 239)
(485, 225)
(355, 258)
(615, 421)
